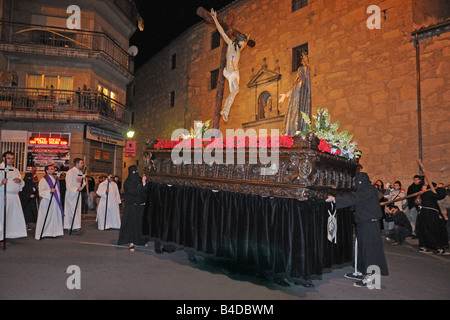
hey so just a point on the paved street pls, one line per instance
(31, 269)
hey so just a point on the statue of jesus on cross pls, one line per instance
(231, 70)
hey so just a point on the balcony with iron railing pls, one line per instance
(31, 104)
(74, 43)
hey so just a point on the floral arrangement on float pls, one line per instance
(330, 140)
(196, 139)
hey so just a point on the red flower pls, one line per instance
(286, 141)
(324, 146)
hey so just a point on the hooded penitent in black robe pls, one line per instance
(135, 195)
(29, 203)
(367, 216)
(431, 231)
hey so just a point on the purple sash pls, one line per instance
(55, 194)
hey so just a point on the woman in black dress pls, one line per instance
(135, 190)
(28, 198)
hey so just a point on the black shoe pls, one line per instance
(363, 283)
(424, 250)
(442, 252)
(352, 276)
(158, 251)
(307, 284)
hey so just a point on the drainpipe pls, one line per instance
(419, 104)
(425, 32)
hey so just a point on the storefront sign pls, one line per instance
(48, 149)
(51, 141)
(104, 136)
(130, 149)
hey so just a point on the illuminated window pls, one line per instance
(42, 81)
(107, 92)
(65, 83)
(34, 81)
(50, 82)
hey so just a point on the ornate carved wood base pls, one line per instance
(303, 172)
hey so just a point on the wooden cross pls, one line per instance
(221, 80)
(427, 177)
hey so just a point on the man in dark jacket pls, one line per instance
(133, 214)
(402, 226)
(368, 234)
(413, 208)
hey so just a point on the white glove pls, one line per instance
(330, 199)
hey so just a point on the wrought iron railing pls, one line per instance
(38, 35)
(63, 101)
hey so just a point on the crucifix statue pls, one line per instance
(229, 62)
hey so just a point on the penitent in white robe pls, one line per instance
(15, 221)
(71, 199)
(112, 211)
(54, 222)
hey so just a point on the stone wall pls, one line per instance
(365, 78)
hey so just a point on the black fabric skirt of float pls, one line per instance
(274, 236)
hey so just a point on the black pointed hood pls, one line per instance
(132, 169)
(362, 181)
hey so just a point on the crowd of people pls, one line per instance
(56, 201)
(418, 212)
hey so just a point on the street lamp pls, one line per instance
(130, 134)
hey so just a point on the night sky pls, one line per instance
(165, 20)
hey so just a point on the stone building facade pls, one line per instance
(366, 77)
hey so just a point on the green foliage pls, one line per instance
(340, 142)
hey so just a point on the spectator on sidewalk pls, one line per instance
(402, 226)
(393, 192)
(413, 208)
